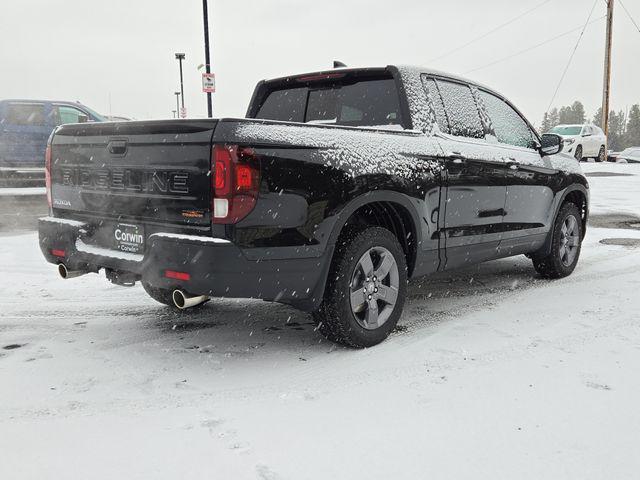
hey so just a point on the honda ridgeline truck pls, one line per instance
(336, 188)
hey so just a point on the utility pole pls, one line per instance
(606, 88)
(207, 57)
(178, 103)
(180, 57)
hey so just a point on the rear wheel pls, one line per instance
(578, 153)
(565, 245)
(601, 155)
(365, 290)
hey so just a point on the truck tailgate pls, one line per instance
(136, 172)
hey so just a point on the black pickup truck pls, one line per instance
(337, 188)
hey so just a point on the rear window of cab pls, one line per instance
(368, 102)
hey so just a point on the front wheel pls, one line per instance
(365, 290)
(578, 153)
(565, 244)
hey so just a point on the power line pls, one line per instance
(484, 35)
(630, 16)
(533, 47)
(564, 73)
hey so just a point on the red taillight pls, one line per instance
(57, 253)
(47, 174)
(221, 173)
(177, 275)
(236, 183)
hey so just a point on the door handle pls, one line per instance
(500, 212)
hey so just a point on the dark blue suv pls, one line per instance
(25, 126)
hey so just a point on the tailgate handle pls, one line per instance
(117, 147)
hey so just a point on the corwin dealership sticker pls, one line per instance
(129, 238)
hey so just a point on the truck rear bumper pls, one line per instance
(215, 267)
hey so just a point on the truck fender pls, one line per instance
(546, 246)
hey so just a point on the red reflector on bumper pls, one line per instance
(57, 253)
(177, 275)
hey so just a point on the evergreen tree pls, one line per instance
(554, 118)
(616, 131)
(597, 117)
(632, 134)
(545, 127)
(565, 116)
(578, 112)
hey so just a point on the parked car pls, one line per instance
(629, 155)
(25, 126)
(337, 187)
(583, 141)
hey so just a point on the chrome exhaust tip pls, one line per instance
(183, 300)
(66, 273)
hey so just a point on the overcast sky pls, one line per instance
(117, 56)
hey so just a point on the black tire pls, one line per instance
(160, 295)
(602, 156)
(336, 318)
(578, 153)
(556, 264)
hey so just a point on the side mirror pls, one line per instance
(83, 118)
(551, 144)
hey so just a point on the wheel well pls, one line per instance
(579, 200)
(395, 218)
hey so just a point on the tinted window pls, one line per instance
(438, 105)
(365, 103)
(461, 108)
(65, 114)
(508, 125)
(25, 114)
(286, 105)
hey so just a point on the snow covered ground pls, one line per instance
(493, 373)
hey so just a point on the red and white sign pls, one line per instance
(209, 82)
(183, 112)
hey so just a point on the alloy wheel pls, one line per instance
(569, 240)
(374, 288)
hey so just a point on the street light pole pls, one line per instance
(207, 56)
(606, 88)
(177, 104)
(180, 57)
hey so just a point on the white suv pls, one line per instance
(583, 141)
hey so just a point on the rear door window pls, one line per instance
(438, 104)
(25, 114)
(461, 109)
(509, 127)
(363, 103)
